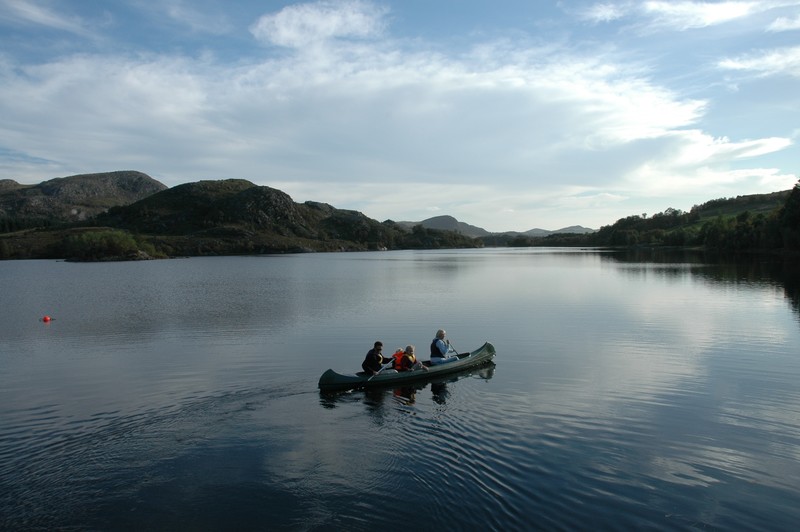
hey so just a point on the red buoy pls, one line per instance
(46, 319)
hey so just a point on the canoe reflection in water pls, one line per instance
(374, 398)
(406, 395)
(441, 391)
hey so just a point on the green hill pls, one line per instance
(223, 217)
(753, 203)
(70, 199)
(744, 223)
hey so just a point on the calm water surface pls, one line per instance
(627, 393)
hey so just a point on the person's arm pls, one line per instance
(450, 350)
(442, 347)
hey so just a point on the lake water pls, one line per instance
(627, 393)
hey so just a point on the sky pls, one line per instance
(508, 115)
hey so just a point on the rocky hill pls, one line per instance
(71, 199)
(225, 217)
(7, 185)
(235, 216)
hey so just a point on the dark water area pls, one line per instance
(629, 391)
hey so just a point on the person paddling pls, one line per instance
(374, 361)
(441, 351)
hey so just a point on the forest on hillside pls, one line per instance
(764, 222)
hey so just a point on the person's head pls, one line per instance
(409, 350)
(378, 345)
(440, 334)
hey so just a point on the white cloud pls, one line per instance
(785, 24)
(302, 24)
(693, 148)
(141, 112)
(784, 61)
(694, 160)
(605, 12)
(188, 15)
(683, 15)
(30, 12)
(661, 182)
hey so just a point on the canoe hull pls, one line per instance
(332, 381)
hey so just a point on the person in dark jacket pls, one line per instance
(374, 360)
(441, 351)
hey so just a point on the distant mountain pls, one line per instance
(74, 198)
(448, 223)
(572, 229)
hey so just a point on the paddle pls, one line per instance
(450, 344)
(382, 368)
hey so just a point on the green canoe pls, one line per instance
(331, 380)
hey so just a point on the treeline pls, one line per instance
(726, 225)
(96, 243)
(109, 244)
(425, 238)
(9, 224)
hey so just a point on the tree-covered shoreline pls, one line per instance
(738, 225)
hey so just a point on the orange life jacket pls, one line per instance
(403, 361)
(397, 360)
